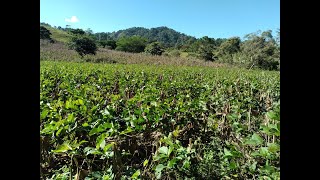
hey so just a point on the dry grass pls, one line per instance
(59, 52)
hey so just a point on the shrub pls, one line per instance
(135, 44)
(83, 45)
(154, 48)
(45, 33)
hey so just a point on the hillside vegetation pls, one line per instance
(256, 50)
(59, 35)
(165, 35)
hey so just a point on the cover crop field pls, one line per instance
(112, 121)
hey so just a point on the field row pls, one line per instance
(158, 122)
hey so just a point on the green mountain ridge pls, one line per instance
(169, 37)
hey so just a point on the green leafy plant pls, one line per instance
(113, 121)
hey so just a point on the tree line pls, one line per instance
(258, 49)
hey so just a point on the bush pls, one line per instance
(154, 48)
(174, 53)
(134, 44)
(83, 45)
(110, 44)
(77, 31)
(45, 34)
(206, 54)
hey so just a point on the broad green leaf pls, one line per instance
(106, 177)
(128, 130)
(171, 163)
(100, 128)
(69, 104)
(186, 164)
(158, 170)
(62, 148)
(85, 124)
(44, 113)
(145, 162)
(95, 131)
(156, 158)
(80, 102)
(153, 103)
(232, 117)
(106, 125)
(159, 167)
(268, 169)
(255, 153)
(232, 165)
(171, 148)
(102, 144)
(59, 131)
(76, 145)
(105, 112)
(255, 137)
(175, 133)
(136, 174)
(107, 147)
(264, 151)
(163, 150)
(70, 118)
(265, 129)
(255, 140)
(158, 175)
(274, 129)
(273, 147)
(90, 150)
(100, 141)
(253, 166)
(273, 115)
(227, 153)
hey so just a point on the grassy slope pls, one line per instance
(58, 35)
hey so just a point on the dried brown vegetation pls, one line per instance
(59, 52)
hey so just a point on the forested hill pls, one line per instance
(259, 49)
(165, 35)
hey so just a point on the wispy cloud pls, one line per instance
(73, 19)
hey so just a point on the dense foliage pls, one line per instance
(83, 45)
(156, 122)
(154, 48)
(45, 33)
(110, 44)
(77, 31)
(261, 49)
(134, 44)
(168, 37)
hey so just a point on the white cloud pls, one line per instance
(73, 19)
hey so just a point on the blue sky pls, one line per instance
(198, 18)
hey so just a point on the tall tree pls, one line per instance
(133, 44)
(154, 48)
(45, 33)
(205, 48)
(77, 31)
(83, 45)
(227, 48)
(259, 49)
